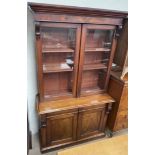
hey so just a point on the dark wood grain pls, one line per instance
(49, 8)
(43, 131)
(39, 61)
(45, 17)
(114, 44)
(89, 122)
(61, 128)
(71, 121)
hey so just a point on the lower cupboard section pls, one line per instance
(59, 129)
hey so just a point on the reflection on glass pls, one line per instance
(58, 38)
(99, 39)
(96, 58)
(58, 47)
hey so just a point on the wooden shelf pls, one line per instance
(62, 67)
(97, 50)
(52, 95)
(57, 50)
(94, 66)
(90, 90)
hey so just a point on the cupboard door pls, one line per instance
(61, 129)
(91, 122)
(58, 54)
(97, 49)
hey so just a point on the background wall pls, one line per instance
(31, 74)
(121, 5)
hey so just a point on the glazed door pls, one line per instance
(91, 122)
(58, 55)
(96, 54)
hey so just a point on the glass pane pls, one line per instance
(58, 38)
(98, 47)
(58, 47)
(57, 84)
(99, 39)
(93, 80)
(96, 59)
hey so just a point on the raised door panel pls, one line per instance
(61, 129)
(91, 122)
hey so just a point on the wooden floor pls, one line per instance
(112, 146)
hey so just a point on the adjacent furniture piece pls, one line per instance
(118, 89)
(118, 85)
(75, 49)
(113, 146)
(120, 61)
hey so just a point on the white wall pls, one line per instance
(31, 74)
(121, 5)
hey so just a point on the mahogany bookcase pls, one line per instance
(75, 49)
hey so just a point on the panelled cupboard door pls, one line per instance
(61, 129)
(91, 122)
(57, 55)
(97, 49)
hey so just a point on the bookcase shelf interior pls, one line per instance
(93, 80)
(62, 54)
(58, 38)
(57, 84)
